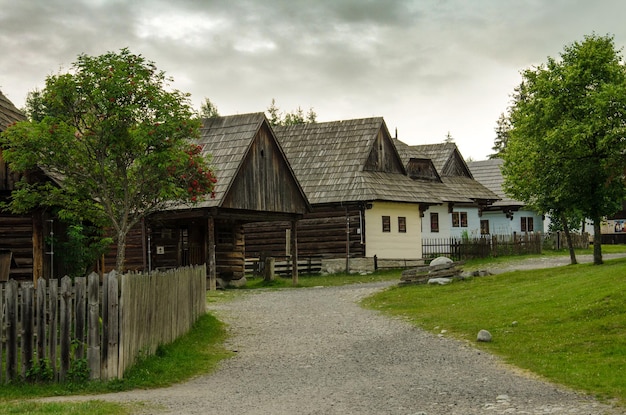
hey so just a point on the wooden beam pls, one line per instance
(38, 247)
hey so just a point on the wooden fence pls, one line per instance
(459, 249)
(309, 265)
(98, 328)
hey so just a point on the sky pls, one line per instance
(428, 67)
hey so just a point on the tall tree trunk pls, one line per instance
(568, 238)
(597, 242)
(121, 251)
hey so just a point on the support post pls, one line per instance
(294, 252)
(211, 262)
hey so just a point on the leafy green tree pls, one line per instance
(116, 139)
(503, 126)
(565, 153)
(208, 109)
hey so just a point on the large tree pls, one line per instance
(116, 138)
(566, 146)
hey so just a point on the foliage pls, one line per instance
(80, 248)
(208, 109)
(35, 109)
(290, 118)
(503, 127)
(565, 149)
(449, 138)
(569, 320)
(116, 138)
(40, 371)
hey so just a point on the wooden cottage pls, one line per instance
(254, 183)
(364, 205)
(505, 216)
(22, 250)
(465, 199)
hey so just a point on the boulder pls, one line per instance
(442, 260)
(440, 281)
(483, 336)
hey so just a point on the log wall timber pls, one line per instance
(135, 257)
(16, 234)
(320, 233)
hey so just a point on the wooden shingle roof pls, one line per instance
(330, 159)
(489, 173)
(457, 184)
(8, 113)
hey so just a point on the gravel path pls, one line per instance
(316, 351)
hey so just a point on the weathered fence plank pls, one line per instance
(80, 301)
(93, 339)
(26, 332)
(113, 329)
(40, 322)
(11, 325)
(65, 297)
(53, 333)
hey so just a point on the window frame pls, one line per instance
(386, 222)
(434, 224)
(401, 224)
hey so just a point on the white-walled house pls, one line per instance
(506, 216)
(442, 167)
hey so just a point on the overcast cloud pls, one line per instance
(426, 66)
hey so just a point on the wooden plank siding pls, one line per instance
(320, 233)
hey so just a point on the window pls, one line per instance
(484, 227)
(386, 224)
(434, 222)
(459, 219)
(401, 224)
(526, 224)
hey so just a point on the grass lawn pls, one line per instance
(567, 324)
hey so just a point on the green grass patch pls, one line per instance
(195, 353)
(570, 321)
(94, 407)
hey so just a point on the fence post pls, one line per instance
(41, 321)
(53, 333)
(113, 369)
(65, 325)
(11, 303)
(93, 339)
(27, 328)
(79, 310)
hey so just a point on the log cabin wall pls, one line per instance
(320, 233)
(16, 235)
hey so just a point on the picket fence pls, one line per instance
(99, 324)
(460, 249)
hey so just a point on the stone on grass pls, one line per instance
(440, 281)
(442, 260)
(483, 336)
